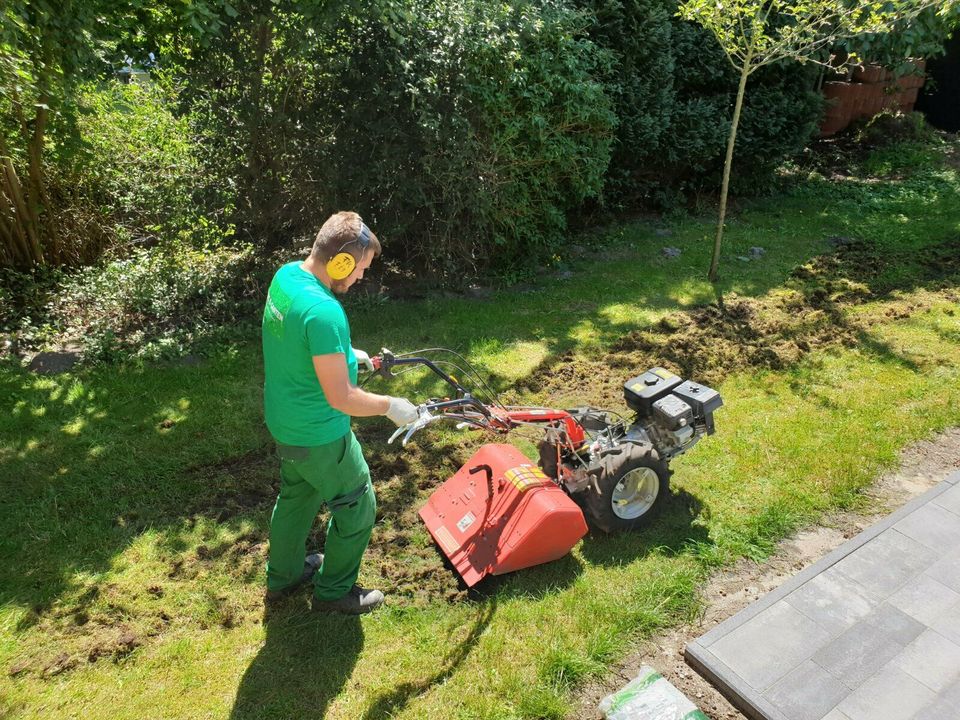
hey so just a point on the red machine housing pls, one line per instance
(499, 513)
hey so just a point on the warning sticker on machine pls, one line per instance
(446, 540)
(524, 477)
(466, 521)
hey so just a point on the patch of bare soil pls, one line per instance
(412, 568)
(923, 465)
(773, 332)
(246, 483)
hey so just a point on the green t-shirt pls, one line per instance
(302, 318)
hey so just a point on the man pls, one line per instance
(310, 394)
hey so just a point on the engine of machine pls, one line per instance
(672, 414)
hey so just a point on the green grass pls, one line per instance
(135, 500)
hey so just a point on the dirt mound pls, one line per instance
(773, 332)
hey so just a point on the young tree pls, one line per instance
(754, 33)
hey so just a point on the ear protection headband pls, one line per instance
(343, 263)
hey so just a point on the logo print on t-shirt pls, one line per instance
(278, 302)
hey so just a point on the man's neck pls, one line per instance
(315, 268)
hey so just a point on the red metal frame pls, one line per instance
(546, 416)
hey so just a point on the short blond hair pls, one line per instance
(340, 233)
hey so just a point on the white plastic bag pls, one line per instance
(649, 697)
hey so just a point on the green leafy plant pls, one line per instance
(464, 132)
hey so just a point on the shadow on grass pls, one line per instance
(672, 530)
(304, 662)
(534, 583)
(389, 704)
(92, 462)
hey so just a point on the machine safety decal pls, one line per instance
(524, 477)
(466, 521)
(446, 540)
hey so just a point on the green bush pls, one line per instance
(136, 162)
(158, 302)
(675, 89)
(464, 132)
(488, 127)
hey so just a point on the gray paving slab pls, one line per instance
(772, 644)
(946, 570)
(932, 659)
(950, 500)
(864, 648)
(835, 715)
(891, 694)
(948, 624)
(887, 563)
(932, 525)
(952, 696)
(925, 599)
(807, 692)
(870, 632)
(833, 601)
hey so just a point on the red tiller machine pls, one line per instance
(500, 512)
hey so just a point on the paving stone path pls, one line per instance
(870, 632)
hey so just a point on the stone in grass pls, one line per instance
(670, 252)
(839, 241)
(51, 363)
(649, 696)
(663, 232)
(756, 252)
(479, 292)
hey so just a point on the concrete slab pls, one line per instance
(867, 646)
(771, 645)
(946, 570)
(950, 500)
(807, 692)
(925, 599)
(872, 631)
(833, 600)
(948, 624)
(887, 563)
(891, 694)
(931, 659)
(933, 526)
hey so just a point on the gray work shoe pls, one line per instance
(311, 563)
(356, 602)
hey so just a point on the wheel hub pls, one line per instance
(636, 493)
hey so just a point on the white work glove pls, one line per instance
(402, 411)
(424, 418)
(363, 359)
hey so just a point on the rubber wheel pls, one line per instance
(633, 487)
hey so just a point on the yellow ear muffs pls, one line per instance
(341, 265)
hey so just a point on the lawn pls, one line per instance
(135, 499)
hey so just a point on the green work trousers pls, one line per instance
(335, 475)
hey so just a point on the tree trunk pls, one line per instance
(263, 36)
(744, 74)
(37, 192)
(17, 250)
(22, 218)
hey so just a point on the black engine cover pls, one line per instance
(642, 391)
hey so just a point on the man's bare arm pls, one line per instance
(343, 395)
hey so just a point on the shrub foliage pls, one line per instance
(674, 92)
